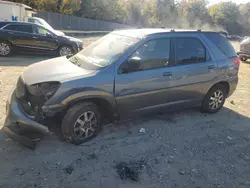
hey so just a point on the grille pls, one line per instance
(20, 89)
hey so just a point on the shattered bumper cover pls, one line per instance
(17, 122)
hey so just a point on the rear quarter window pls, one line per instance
(2, 24)
(222, 43)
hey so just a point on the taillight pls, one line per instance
(236, 60)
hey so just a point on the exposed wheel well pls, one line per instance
(105, 107)
(225, 84)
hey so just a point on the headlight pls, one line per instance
(79, 44)
(47, 89)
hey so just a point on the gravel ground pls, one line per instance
(180, 149)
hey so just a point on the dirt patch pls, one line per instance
(181, 149)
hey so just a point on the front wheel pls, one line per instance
(81, 123)
(65, 50)
(5, 48)
(214, 99)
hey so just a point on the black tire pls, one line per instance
(65, 46)
(206, 107)
(70, 120)
(243, 58)
(9, 46)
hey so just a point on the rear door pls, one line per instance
(20, 35)
(194, 69)
(45, 39)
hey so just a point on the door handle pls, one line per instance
(211, 67)
(11, 33)
(167, 74)
(34, 37)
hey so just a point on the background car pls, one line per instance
(244, 52)
(42, 22)
(30, 37)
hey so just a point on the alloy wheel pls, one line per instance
(216, 100)
(85, 125)
(4, 49)
(64, 51)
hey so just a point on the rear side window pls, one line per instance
(189, 51)
(2, 24)
(222, 43)
(21, 28)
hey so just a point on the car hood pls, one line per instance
(71, 39)
(245, 46)
(56, 69)
(59, 33)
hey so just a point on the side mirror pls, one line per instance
(132, 65)
(49, 35)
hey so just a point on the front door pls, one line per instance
(45, 40)
(144, 85)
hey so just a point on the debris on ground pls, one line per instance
(229, 138)
(142, 130)
(69, 169)
(170, 159)
(232, 102)
(92, 156)
(182, 172)
(130, 170)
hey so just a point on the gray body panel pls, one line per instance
(174, 86)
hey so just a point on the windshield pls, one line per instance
(103, 52)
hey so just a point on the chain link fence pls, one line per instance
(68, 22)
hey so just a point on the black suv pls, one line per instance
(21, 36)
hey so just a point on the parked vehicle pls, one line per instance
(18, 12)
(244, 52)
(21, 36)
(125, 72)
(45, 24)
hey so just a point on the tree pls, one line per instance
(46, 5)
(227, 15)
(67, 7)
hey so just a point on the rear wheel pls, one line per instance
(214, 99)
(5, 48)
(65, 50)
(243, 59)
(81, 123)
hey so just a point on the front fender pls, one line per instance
(89, 95)
(68, 100)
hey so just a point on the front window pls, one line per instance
(103, 52)
(41, 31)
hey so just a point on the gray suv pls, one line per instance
(125, 72)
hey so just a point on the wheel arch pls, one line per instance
(224, 83)
(104, 101)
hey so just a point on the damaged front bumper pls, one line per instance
(17, 121)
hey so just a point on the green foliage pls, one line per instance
(46, 5)
(155, 13)
(227, 15)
